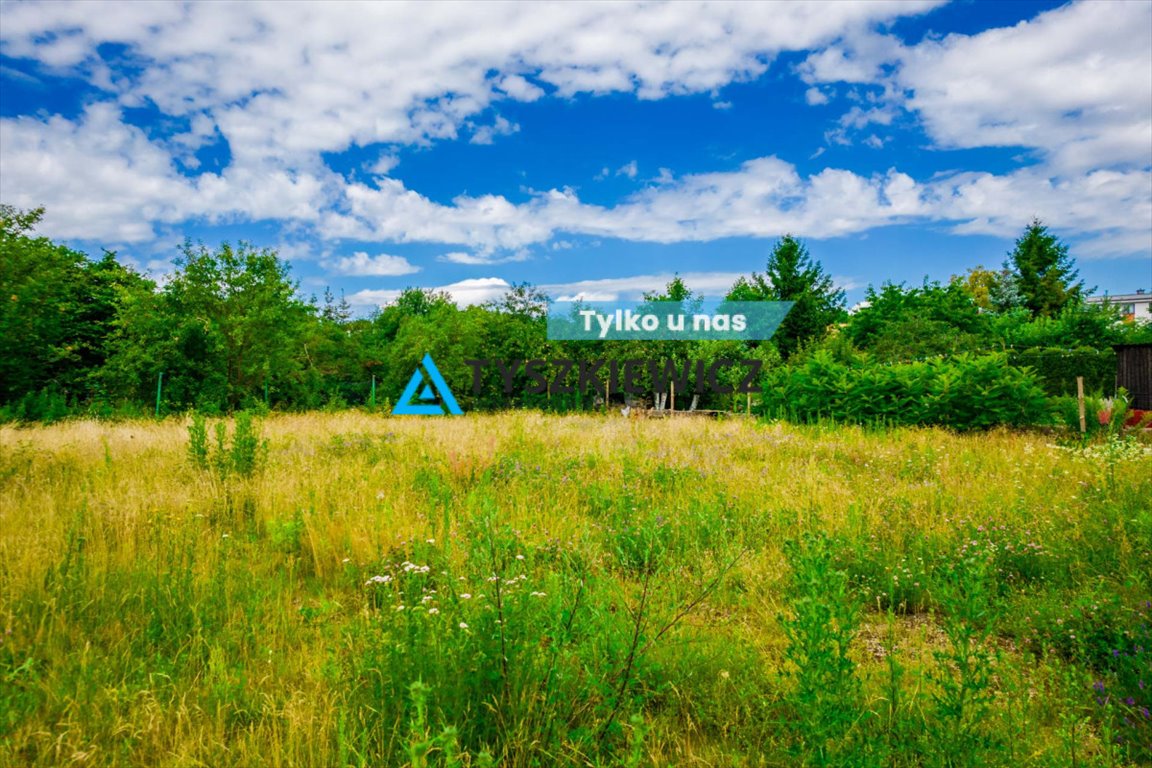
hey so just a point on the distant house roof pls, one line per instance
(1118, 298)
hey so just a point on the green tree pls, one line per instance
(793, 275)
(451, 336)
(339, 366)
(902, 323)
(412, 302)
(679, 351)
(56, 312)
(39, 283)
(227, 327)
(522, 300)
(979, 283)
(1085, 325)
(1043, 272)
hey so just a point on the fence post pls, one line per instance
(159, 387)
(372, 397)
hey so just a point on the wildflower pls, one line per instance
(463, 625)
(539, 594)
(433, 611)
(1098, 686)
(346, 560)
(431, 541)
(465, 596)
(400, 607)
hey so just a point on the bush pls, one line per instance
(47, 405)
(1057, 369)
(244, 457)
(964, 392)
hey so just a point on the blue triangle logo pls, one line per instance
(433, 386)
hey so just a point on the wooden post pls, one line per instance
(159, 388)
(673, 383)
(1080, 401)
(748, 408)
(372, 394)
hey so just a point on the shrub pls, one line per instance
(825, 618)
(964, 392)
(1057, 369)
(964, 666)
(47, 405)
(243, 457)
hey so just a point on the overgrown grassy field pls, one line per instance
(528, 590)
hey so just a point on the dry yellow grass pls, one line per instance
(96, 519)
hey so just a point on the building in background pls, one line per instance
(1134, 306)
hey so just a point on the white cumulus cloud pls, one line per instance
(361, 264)
(280, 84)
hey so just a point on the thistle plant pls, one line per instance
(963, 675)
(825, 617)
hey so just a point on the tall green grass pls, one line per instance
(519, 590)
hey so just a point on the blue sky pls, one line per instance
(591, 149)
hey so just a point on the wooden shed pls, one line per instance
(1134, 373)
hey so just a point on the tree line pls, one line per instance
(229, 329)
